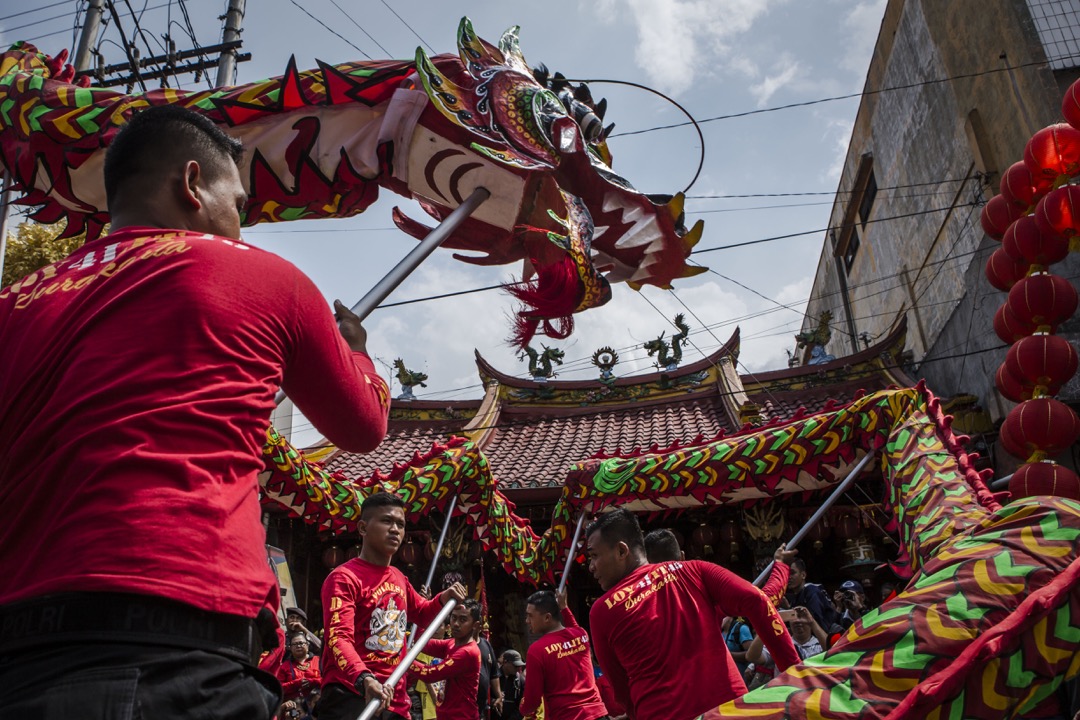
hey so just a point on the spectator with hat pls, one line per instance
(296, 622)
(513, 672)
(850, 603)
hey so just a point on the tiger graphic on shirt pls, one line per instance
(387, 629)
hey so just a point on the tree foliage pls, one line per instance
(34, 246)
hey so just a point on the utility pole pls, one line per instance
(94, 10)
(227, 62)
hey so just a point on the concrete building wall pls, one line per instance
(938, 150)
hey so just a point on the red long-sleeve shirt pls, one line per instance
(460, 669)
(293, 676)
(137, 379)
(366, 611)
(559, 673)
(658, 639)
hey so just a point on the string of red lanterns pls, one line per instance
(1036, 217)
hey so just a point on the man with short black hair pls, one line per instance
(558, 666)
(367, 604)
(811, 596)
(459, 668)
(661, 545)
(138, 378)
(652, 614)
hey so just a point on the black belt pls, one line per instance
(116, 617)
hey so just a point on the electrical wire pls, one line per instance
(353, 21)
(849, 96)
(34, 10)
(824, 192)
(391, 9)
(335, 32)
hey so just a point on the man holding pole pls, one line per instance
(138, 377)
(366, 608)
(459, 665)
(558, 666)
(650, 614)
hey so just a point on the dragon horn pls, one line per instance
(675, 205)
(692, 270)
(691, 238)
(601, 108)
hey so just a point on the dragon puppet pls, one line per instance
(321, 143)
(988, 625)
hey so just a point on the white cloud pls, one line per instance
(839, 131)
(678, 38)
(862, 24)
(764, 90)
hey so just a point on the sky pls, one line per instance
(714, 57)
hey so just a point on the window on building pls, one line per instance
(851, 251)
(1058, 25)
(867, 203)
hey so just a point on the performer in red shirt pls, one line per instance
(138, 377)
(656, 629)
(300, 678)
(558, 666)
(460, 665)
(367, 607)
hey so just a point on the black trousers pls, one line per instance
(116, 681)
(338, 703)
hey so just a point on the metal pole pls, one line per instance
(829, 501)
(5, 204)
(435, 238)
(234, 18)
(410, 262)
(435, 559)
(94, 10)
(573, 549)
(1001, 483)
(410, 656)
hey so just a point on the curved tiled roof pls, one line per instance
(530, 450)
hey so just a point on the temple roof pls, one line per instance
(533, 431)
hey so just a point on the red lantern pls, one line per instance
(1070, 106)
(1041, 425)
(1003, 272)
(1024, 241)
(703, 536)
(476, 551)
(1043, 299)
(730, 532)
(998, 215)
(1046, 361)
(1022, 188)
(353, 551)
(1008, 327)
(409, 552)
(1044, 478)
(847, 526)
(1010, 387)
(333, 556)
(1054, 151)
(1059, 212)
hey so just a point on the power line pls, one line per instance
(34, 10)
(824, 192)
(815, 232)
(353, 21)
(865, 93)
(391, 9)
(335, 32)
